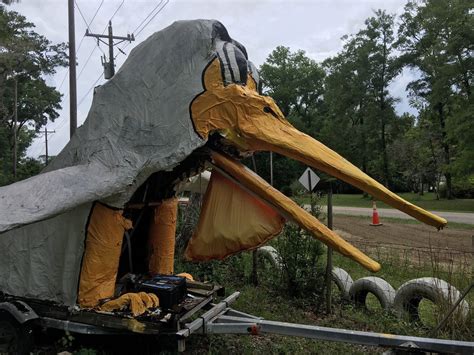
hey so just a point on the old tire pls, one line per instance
(271, 254)
(409, 295)
(343, 281)
(15, 338)
(380, 288)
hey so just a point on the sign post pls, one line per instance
(309, 180)
(329, 256)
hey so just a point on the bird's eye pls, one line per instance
(267, 109)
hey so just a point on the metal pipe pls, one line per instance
(241, 325)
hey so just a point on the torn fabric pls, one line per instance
(231, 220)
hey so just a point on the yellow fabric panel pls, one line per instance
(231, 220)
(254, 122)
(251, 83)
(290, 209)
(161, 238)
(138, 303)
(102, 253)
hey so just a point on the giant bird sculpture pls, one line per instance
(185, 99)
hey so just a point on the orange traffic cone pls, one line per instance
(375, 216)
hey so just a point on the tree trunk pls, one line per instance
(385, 172)
(446, 150)
(364, 150)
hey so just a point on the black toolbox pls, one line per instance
(170, 290)
(179, 281)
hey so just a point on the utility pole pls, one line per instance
(109, 66)
(46, 143)
(72, 71)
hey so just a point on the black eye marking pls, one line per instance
(267, 109)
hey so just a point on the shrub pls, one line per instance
(301, 258)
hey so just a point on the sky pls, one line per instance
(313, 26)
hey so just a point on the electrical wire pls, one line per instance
(115, 13)
(161, 9)
(146, 18)
(83, 36)
(87, 61)
(96, 12)
(143, 21)
(82, 15)
(90, 89)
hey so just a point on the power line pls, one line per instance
(90, 89)
(83, 36)
(118, 8)
(166, 3)
(143, 21)
(82, 15)
(105, 28)
(96, 12)
(146, 18)
(87, 61)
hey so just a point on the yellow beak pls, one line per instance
(252, 122)
(284, 139)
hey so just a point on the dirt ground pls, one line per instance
(448, 243)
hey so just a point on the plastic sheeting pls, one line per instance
(101, 257)
(290, 209)
(43, 261)
(231, 220)
(161, 237)
(139, 123)
(254, 122)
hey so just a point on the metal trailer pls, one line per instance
(209, 318)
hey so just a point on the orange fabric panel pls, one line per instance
(101, 256)
(290, 209)
(138, 303)
(231, 220)
(161, 237)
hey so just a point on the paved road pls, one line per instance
(456, 217)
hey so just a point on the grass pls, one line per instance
(270, 302)
(427, 201)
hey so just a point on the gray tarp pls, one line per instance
(139, 123)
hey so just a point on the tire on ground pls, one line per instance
(410, 294)
(380, 288)
(271, 254)
(343, 281)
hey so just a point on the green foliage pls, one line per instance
(301, 258)
(436, 39)
(357, 98)
(345, 101)
(25, 58)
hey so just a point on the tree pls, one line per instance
(357, 94)
(436, 38)
(25, 57)
(295, 82)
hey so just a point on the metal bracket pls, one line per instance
(19, 310)
(221, 319)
